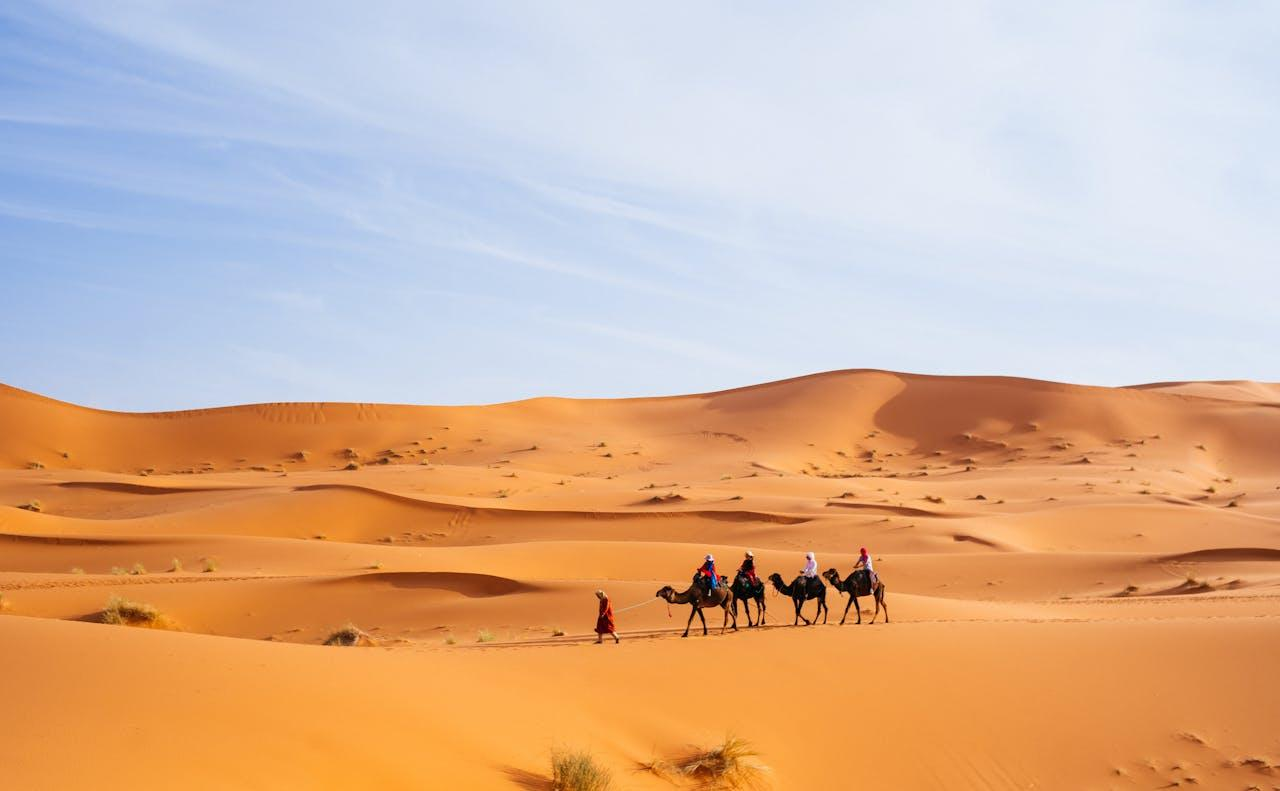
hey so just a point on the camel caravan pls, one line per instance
(711, 590)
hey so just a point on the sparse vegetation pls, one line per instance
(119, 570)
(5, 605)
(77, 570)
(484, 636)
(577, 770)
(208, 565)
(176, 566)
(123, 612)
(138, 569)
(732, 764)
(350, 635)
(351, 465)
(450, 640)
(376, 566)
(557, 632)
(34, 505)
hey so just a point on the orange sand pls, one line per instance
(1084, 585)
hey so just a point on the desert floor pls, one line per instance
(1083, 585)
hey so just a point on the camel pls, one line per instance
(720, 596)
(850, 587)
(745, 592)
(800, 591)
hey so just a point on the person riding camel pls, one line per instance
(810, 569)
(707, 576)
(864, 562)
(748, 569)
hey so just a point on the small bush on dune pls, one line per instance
(732, 764)
(138, 568)
(350, 635)
(208, 565)
(176, 565)
(5, 606)
(484, 636)
(123, 612)
(577, 770)
(34, 505)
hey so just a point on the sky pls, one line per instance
(208, 203)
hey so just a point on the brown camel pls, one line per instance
(853, 585)
(800, 591)
(698, 598)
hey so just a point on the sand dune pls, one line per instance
(1083, 582)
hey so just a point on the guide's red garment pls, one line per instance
(604, 622)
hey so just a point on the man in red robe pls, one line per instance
(604, 621)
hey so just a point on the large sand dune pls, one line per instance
(1084, 586)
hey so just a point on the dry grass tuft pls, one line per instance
(484, 636)
(123, 612)
(208, 565)
(138, 568)
(5, 604)
(175, 566)
(557, 632)
(351, 466)
(732, 764)
(577, 770)
(34, 505)
(350, 635)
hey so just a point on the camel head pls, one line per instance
(666, 592)
(776, 579)
(832, 576)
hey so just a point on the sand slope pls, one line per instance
(1084, 585)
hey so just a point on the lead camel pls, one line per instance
(699, 598)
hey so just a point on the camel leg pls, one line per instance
(852, 600)
(880, 602)
(760, 611)
(857, 606)
(690, 621)
(735, 616)
(822, 605)
(800, 612)
(702, 618)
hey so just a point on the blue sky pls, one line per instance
(206, 203)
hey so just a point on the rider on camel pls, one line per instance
(748, 569)
(810, 569)
(864, 562)
(707, 575)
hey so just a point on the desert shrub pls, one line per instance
(208, 565)
(577, 770)
(732, 764)
(123, 612)
(138, 568)
(350, 635)
(484, 636)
